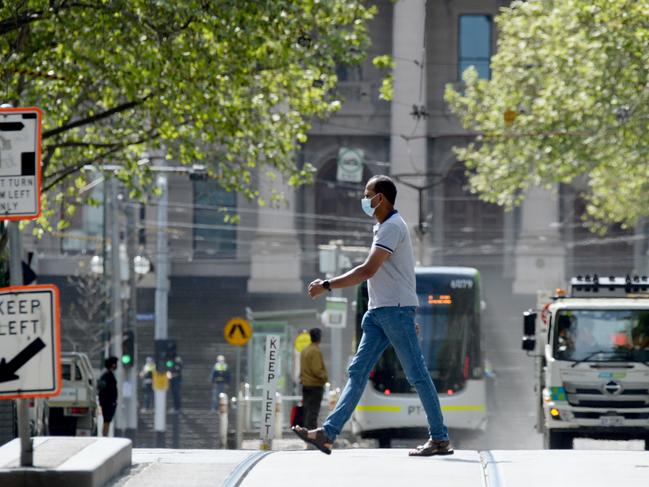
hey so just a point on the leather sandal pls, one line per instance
(432, 447)
(316, 437)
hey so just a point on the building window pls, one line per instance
(214, 237)
(86, 230)
(475, 44)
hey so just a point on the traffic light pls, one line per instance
(165, 354)
(128, 349)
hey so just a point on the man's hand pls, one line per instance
(316, 289)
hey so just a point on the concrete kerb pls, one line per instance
(82, 462)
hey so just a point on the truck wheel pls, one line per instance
(557, 440)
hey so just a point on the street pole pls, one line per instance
(16, 279)
(105, 273)
(336, 333)
(131, 372)
(116, 307)
(161, 301)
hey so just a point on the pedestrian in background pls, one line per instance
(175, 375)
(390, 319)
(313, 377)
(146, 374)
(107, 389)
(220, 379)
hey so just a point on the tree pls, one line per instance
(229, 83)
(567, 99)
(85, 324)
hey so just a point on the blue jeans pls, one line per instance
(383, 326)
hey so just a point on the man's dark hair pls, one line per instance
(384, 185)
(110, 362)
(316, 335)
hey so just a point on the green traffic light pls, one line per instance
(169, 363)
(126, 359)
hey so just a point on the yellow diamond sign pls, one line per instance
(237, 331)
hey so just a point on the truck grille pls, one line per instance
(625, 392)
(596, 415)
(613, 395)
(609, 404)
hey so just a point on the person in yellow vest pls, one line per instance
(313, 376)
(220, 379)
(146, 374)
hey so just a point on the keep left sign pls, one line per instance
(30, 342)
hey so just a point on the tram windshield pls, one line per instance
(448, 319)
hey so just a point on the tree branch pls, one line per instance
(95, 118)
(68, 171)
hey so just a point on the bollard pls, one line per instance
(232, 434)
(223, 420)
(333, 398)
(247, 410)
(240, 410)
(278, 416)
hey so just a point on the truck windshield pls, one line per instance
(602, 335)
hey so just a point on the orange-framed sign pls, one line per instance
(20, 163)
(30, 342)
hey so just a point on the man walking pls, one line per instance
(175, 376)
(107, 387)
(313, 376)
(390, 319)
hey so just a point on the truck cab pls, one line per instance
(592, 352)
(74, 411)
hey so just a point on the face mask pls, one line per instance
(366, 204)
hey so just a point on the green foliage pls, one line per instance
(232, 84)
(387, 88)
(567, 99)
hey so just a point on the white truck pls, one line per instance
(591, 348)
(74, 411)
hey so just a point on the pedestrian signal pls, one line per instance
(165, 354)
(128, 349)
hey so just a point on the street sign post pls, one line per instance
(269, 400)
(20, 163)
(30, 342)
(20, 199)
(238, 332)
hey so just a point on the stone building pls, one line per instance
(264, 263)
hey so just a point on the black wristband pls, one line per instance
(327, 285)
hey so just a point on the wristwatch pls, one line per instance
(327, 285)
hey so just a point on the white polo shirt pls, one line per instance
(394, 283)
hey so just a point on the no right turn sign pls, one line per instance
(20, 163)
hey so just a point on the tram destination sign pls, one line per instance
(30, 342)
(20, 163)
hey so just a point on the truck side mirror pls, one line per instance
(529, 331)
